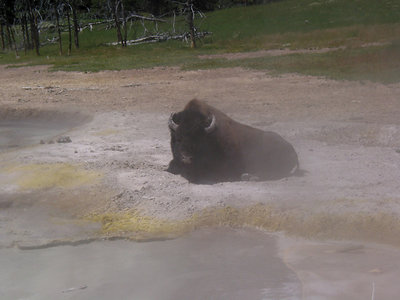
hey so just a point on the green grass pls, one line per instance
(380, 64)
(291, 24)
(248, 28)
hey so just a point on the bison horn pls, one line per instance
(172, 125)
(211, 127)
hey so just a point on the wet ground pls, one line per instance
(207, 264)
(15, 134)
(30, 127)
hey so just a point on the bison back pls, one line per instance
(268, 156)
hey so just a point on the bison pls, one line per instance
(209, 147)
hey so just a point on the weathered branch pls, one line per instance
(190, 21)
(128, 18)
(163, 37)
(117, 22)
(135, 16)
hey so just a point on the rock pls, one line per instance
(249, 177)
(245, 177)
(64, 139)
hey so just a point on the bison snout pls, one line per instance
(186, 159)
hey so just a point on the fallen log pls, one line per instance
(162, 38)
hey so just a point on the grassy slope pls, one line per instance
(289, 23)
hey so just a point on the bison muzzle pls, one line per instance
(208, 147)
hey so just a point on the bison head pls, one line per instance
(190, 131)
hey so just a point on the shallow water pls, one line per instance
(15, 134)
(29, 127)
(208, 264)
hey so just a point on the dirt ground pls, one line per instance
(110, 180)
(347, 135)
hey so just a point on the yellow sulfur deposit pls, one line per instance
(139, 227)
(378, 227)
(42, 176)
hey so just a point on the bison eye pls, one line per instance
(176, 118)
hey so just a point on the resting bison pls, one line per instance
(208, 147)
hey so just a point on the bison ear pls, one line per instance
(171, 123)
(210, 128)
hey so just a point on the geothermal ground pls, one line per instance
(109, 180)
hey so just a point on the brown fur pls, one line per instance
(229, 151)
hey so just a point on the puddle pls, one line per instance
(344, 270)
(27, 127)
(207, 264)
